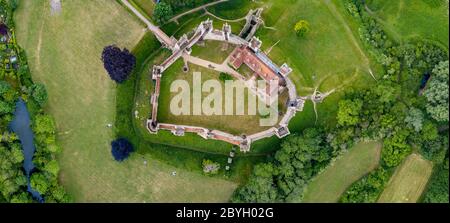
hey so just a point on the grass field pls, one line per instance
(64, 54)
(408, 181)
(406, 19)
(329, 185)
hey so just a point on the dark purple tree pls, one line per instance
(118, 63)
(121, 149)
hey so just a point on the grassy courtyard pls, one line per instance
(64, 54)
(329, 185)
(408, 181)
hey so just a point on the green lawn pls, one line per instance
(64, 54)
(406, 19)
(329, 185)
(408, 181)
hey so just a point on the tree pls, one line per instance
(4, 87)
(415, 119)
(23, 197)
(52, 167)
(44, 124)
(121, 149)
(6, 108)
(260, 186)
(395, 148)
(299, 159)
(39, 94)
(367, 189)
(437, 92)
(118, 63)
(348, 113)
(39, 182)
(438, 189)
(162, 12)
(301, 28)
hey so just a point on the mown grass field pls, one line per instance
(408, 181)
(407, 19)
(329, 185)
(64, 53)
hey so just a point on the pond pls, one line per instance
(21, 126)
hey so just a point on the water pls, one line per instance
(21, 126)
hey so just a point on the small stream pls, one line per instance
(21, 125)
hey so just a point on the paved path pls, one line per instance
(155, 29)
(195, 10)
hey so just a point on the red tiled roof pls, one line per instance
(244, 55)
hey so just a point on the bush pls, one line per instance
(121, 149)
